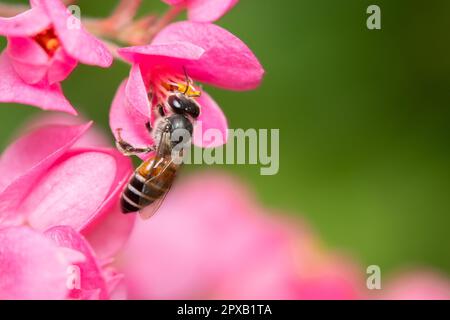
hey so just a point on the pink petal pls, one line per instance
(108, 229)
(28, 23)
(227, 61)
(124, 116)
(41, 95)
(211, 127)
(269, 275)
(177, 52)
(28, 59)
(26, 50)
(78, 43)
(111, 233)
(32, 63)
(40, 147)
(417, 285)
(334, 278)
(78, 190)
(26, 160)
(61, 66)
(209, 10)
(94, 137)
(264, 248)
(117, 288)
(136, 91)
(124, 169)
(91, 278)
(30, 266)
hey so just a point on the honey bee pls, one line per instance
(153, 179)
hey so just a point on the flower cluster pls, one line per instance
(46, 43)
(60, 182)
(58, 205)
(209, 53)
(43, 49)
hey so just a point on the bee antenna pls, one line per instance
(188, 80)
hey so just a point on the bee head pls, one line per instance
(184, 105)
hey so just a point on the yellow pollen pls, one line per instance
(188, 89)
(48, 40)
(52, 44)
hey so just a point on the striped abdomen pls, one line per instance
(149, 183)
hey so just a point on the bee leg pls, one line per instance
(161, 110)
(167, 127)
(127, 149)
(148, 126)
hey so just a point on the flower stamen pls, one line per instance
(164, 85)
(181, 86)
(48, 40)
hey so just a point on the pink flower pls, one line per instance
(94, 282)
(204, 10)
(60, 222)
(207, 53)
(52, 177)
(417, 285)
(211, 240)
(59, 264)
(45, 44)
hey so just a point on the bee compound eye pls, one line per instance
(193, 109)
(176, 104)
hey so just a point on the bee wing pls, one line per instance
(150, 210)
(162, 161)
(164, 146)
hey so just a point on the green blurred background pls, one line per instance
(363, 117)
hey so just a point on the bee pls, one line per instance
(153, 179)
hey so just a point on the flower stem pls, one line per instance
(167, 18)
(122, 15)
(143, 30)
(120, 26)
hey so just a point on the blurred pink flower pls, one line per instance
(93, 282)
(210, 240)
(207, 52)
(45, 44)
(226, 246)
(204, 10)
(59, 192)
(417, 285)
(51, 177)
(34, 265)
